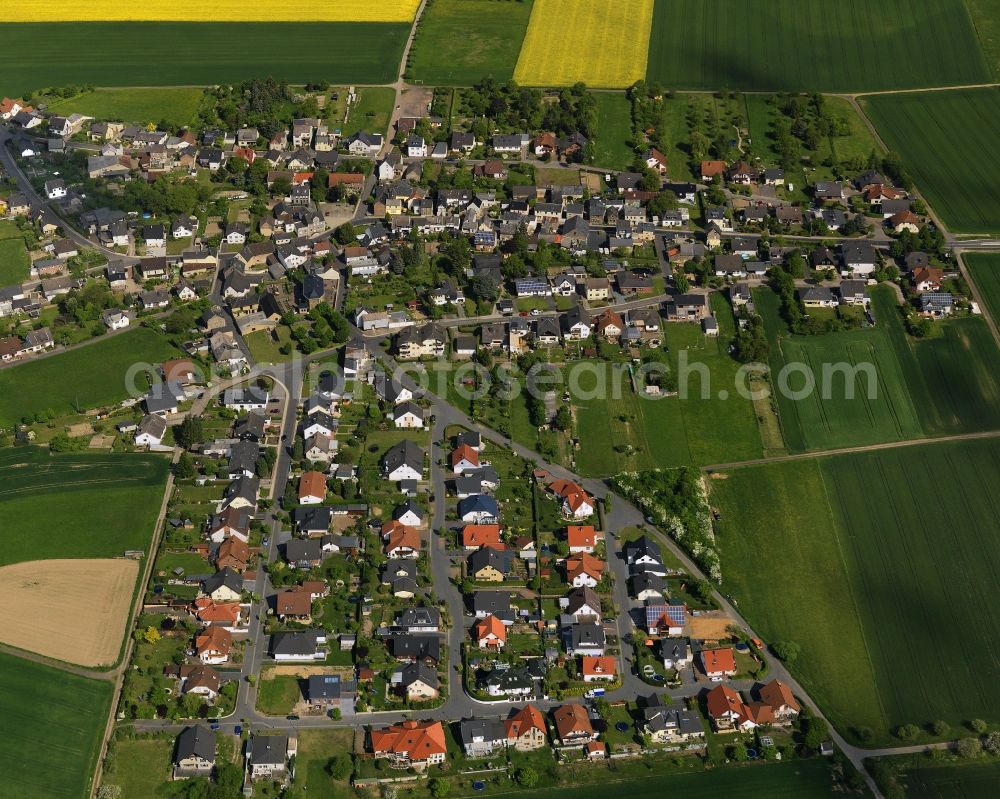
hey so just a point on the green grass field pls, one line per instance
(986, 18)
(985, 271)
(943, 138)
(277, 695)
(178, 106)
(51, 723)
(87, 377)
(951, 378)
(680, 430)
(371, 112)
(197, 53)
(459, 42)
(878, 557)
(967, 781)
(807, 45)
(15, 266)
(803, 779)
(939, 386)
(140, 767)
(822, 421)
(614, 129)
(100, 504)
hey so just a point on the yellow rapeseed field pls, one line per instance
(600, 42)
(214, 11)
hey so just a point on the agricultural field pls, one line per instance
(178, 106)
(460, 42)
(47, 717)
(985, 271)
(614, 130)
(966, 781)
(15, 265)
(853, 45)
(986, 18)
(903, 388)
(87, 377)
(188, 53)
(371, 112)
(70, 610)
(165, 11)
(870, 568)
(943, 138)
(101, 504)
(951, 377)
(602, 44)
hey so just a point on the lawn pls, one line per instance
(941, 137)
(872, 567)
(177, 106)
(189, 53)
(316, 747)
(51, 723)
(801, 779)
(277, 694)
(985, 271)
(15, 266)
(602, 44)
(371, 112)
(100, 504)
(88, 377)
(879, 411)
(614, 130)
(140, 767)
(460, 42)
(808, 45)
(265, 349)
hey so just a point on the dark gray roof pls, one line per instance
(226, 577)
(195, 741)
(267, 750)
(417, 647)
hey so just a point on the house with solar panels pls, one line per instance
(665, 618)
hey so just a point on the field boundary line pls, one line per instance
(828, 453)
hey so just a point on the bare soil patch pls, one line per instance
(70, 610)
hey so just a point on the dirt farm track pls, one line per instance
(70, 610)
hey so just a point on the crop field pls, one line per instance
(178, 106)
(88, 377)
(985, 271)
(880, 554)
(986, 17)
(459, 42)
(197, 53)
(614, 130)
(602, 44)
(942, 138)
(952, 377)
(165, 11)
(101, 504)
(70, 610)
(966, 781)
(809, 45)
(903, 388)
(51, 724)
